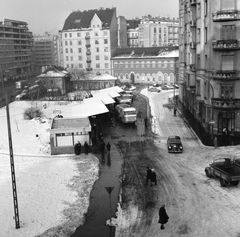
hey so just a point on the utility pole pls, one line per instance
(14, 185)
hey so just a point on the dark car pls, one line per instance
(154, 89)
(174, 144)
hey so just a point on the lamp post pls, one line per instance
(212, 122)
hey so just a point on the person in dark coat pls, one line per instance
(148, 177)
(102, 147)
(86, 148)
(163, 217)
(108, 147)
(153, 177)
(77, 148)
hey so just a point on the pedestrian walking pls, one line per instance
(86, 148)
(108, 147)
(148, 177)
(77, 148)
(215, 142)
(102, 147)
(163, 217)
(153, 177)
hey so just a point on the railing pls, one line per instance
(87, 37)
(88, 45)
(229, 75)
(192, 67)
(226, 103)
(89, 60)
(225, 44)
(88, 52)
(227, 15)
(89, 69)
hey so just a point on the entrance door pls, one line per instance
(132, 78)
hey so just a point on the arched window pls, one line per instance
(126, 64)
(153, 77)
(165, 78)
(159, 64)
(126, 76)
(148, 77)
(165, 64)
(137, 64)
(121, 65)
(132, 64)
(171, 78)
(138, 76)
(116, 75)
(142, 64)
(121, 76)
(153, 64)
(148, 64)
(142, 76)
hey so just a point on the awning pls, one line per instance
(105, 98)
(109, 91)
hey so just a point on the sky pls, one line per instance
(50, 15)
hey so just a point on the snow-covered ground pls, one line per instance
(52, 191)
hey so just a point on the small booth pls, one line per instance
(66, 132)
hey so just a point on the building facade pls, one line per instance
(132, 32)
(158, 31)
(146, 65)
(122, 32)
(15, 53)
(209, 66)
(89, 39)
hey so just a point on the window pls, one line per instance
(71, 65)
(66, 50)
(71, 50)
(80, 65)
(70, 34)
(71, 58)
(205, 8)
(198, 87)
(105, 49)
(66, 43)
(97, 50)
(78, 34)
(79, 42)
(228, 32)
(80, 58)
(96, 33)
(205, 36)
(106, 57)
(105, 32)
(79, 50)
(142, 65)
(227, 62)
(66, 58)
(105, 41)
(226, 91)
(106, 65)
(70, 42)
(96, 42)
(97, 57)
(65, 35)
(97, 65)
(154, 30)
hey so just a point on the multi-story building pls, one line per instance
(209, 66)
(158, 31)
(122, 32)
(45, 51)
(89, 39)
(132, 32)
(15, 49)
(146, 65)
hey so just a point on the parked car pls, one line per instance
(154, 89)
(176, 86)
(165, 87)
(174, 144)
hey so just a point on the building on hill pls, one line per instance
(89, 39)
(16, 46)
(146, 65)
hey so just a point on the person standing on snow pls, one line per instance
(108, 148)
(148, 177)
(163, 217)
(153, 177)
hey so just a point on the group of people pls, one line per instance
(78, 148)
(152, 176)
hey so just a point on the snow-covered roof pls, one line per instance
(104, 77)
(105, 98)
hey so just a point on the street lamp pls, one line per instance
(212, 122)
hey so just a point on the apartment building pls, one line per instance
(158, 31)
(89, 39)
(209, 66)
(132, 32)
(15, 49)
(45, 51)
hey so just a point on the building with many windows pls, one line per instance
(158, 31)
(15, 49)
(89, 39)
(146, 65)
(132, 32)
(209, 66)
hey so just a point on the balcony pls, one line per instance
(192, 67)
(193, 2)
(226, 103)
(193, 23)
(225, 45)
(225, 75)
(87, 37)
(89, 69)
(227, 15)
(89, 60)
(88, 52)
(88, 45)
(192, 45)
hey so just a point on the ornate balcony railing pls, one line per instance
(226, 103)
(88, 45)
(192, 67)
(226, 15)
(226, 44)
(87, 37)
(88, 52)
(89, 60)
(89, 69)
(225, 75)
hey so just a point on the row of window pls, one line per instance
(97, 57)
(79, 42)
(83, 34)
(80, 65)
(144, 64)
(97, 50)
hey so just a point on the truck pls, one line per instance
(225, 169)
(126, 113)
(123, 100)
(21, 85)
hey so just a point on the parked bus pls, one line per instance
(126, 113)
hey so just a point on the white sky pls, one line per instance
(50, 15)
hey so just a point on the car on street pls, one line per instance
(174, 144)
(176, 86)
(165, 87)
(154, 89)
